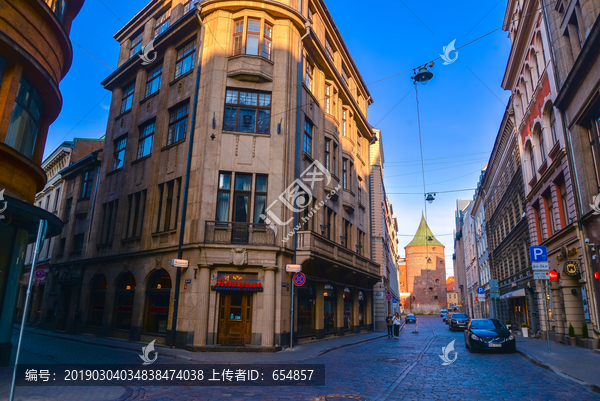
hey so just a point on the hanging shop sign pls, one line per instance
(571, 268)
(230, 283)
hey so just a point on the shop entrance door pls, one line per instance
(235, 318)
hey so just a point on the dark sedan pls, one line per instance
(489, 334)
(410, 319)
(458, 321)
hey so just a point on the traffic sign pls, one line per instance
(481, 297)
(299, 279)
(179, 263)
(388, 297)
(538, 253)
(40, 274)
(553, 275)
(293, 268)
(480, 290)
(545, 275)
(540, 266)
(394, 301)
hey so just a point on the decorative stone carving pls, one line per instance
(158, 261)
(179, 87)
(239, 256)
(148, 106)
(122, 122)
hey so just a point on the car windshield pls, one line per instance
(411, 315)
(458, 316)
(443, 310)
(486, 324)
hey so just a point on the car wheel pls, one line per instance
(450, 328)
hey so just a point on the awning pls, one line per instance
(27, 216)
(518, 293)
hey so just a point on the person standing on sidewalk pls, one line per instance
(396, 321)
(388, 321)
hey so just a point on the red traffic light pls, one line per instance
(596, 275)
(553, 275)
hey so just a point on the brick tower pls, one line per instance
(425, 272)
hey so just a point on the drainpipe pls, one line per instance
(297, 163)
(186, 189)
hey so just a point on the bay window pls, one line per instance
(25, 119)
(267, 41)
(252, 37)
(328, 99)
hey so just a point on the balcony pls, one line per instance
(222, 232)
(311, 245)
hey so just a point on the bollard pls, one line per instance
(416, 323)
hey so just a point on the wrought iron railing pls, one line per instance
(222, 232)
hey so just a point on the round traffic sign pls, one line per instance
(388, 297)
(299, 279)
(40, 274)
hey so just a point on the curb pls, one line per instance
(351, 344)
(536, 362)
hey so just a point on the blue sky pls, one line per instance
(461, 107)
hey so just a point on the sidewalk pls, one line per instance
(577, 364)
(300, 352)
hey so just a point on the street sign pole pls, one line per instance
(292, 317)
(545, 313)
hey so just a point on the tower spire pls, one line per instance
(423, 235)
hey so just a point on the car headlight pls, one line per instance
(474, 337)
(511, 337)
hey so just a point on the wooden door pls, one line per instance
(235, 318)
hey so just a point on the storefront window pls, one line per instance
(329, 309)
(25, 119)
(97, 298)
(361, 309)
(347, 309)
(306, 310)
(158, 295)
(124, 295)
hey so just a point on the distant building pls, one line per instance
(451, 294)
(426, 272)
(483, 263)
(459, 255)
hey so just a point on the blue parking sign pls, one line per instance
(538, 253)
(480, 290)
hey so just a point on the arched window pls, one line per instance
(552, 123)
(98, 288)
(124, 294)
(529, 152)
(158, 296)
(534, 64)
(540, 137)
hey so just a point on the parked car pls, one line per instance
(489, 334)
(443, 313)
(448, 317)
(458, 321)
(410, 319)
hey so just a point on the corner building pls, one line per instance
(426, 273)
(265, 89)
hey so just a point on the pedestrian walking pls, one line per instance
(396, 322)
(388, 321)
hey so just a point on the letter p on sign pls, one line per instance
(538, 253)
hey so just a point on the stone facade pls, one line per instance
(459, 255)
(277, 91)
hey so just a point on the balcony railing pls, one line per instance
(222, 232)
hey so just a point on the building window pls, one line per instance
(329, 223)
(86, 184)
(553, 126)
(252, 37)
(308, 76)
(531, 161)
(178, 121)
(127, 101)
(594, 137)
(119, 153)
(358, 147)
(542, 147)
(561, 190)
(345, 240)
(185, 59)
(109, 221)
(328, 49)
(550, 214)
(308, 137)
(156, 309)
(260, 198)
(242, 109)
(56, 199)
(135, 217)
(77, 243)
(146, 139)
(136, 45)
(162, 24)
(328, 99)
(97, 298)
(327, 154)
(241, 197)
(68, 206)
(344, 122)
(538, 223)
(223, 197)
(24, 120)
(334, 162)
(359, 193)
(168, 205)
(124, 295)
(267, 40)
(344, 173)
(154, 80)
(189, 5)
(238, 37)
(344, 75)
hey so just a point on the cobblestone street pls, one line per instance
(380, 369)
